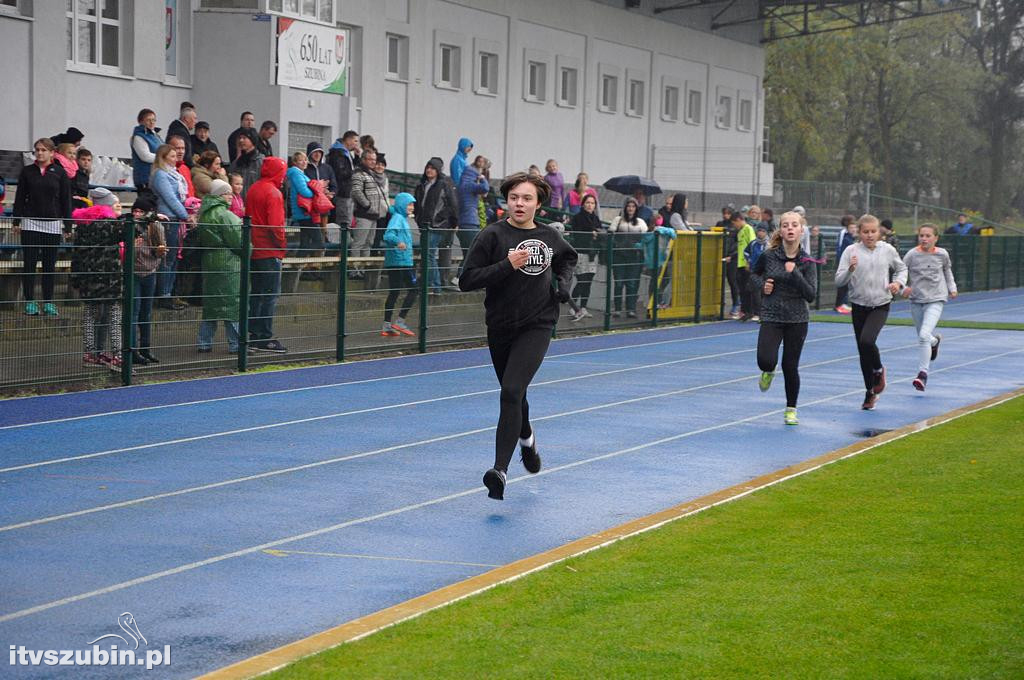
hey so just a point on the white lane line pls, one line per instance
(424, 504)
(357, 382)
(399, 447)
(383, 558)
(372, 409)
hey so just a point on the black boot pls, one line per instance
(148, 356)
(138, 359)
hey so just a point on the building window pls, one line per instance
(723, 112)
(301, 134)
(694, 106)
(487, 73)
(9, 6)
(398, 57)
(94, 33)
(311, 10)
(536, 81)
(450, 66)
(567, 86)
(746, 118)
(635, 101)
(670, 104)
(609, 93)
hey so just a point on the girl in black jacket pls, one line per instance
(786, 274)
(42, 202)
(519, 263)
(583, 232)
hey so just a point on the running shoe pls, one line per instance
(869, 401)
(274, 346)
(91, 359)
(578, 316)
(50, 309)
(755, 317)
(586, 312)
(530, 458)
(935, 347)
(494, 480)
(387, 331)
(790, 417)
(400, 326)
(631, 315)
(766, 380)
(845, 309)
(920, 381)
(879, 385)
(31, 309)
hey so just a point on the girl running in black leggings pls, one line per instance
(519, 263)
(786, 276)
(874, 272)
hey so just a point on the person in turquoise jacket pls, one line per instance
(397, 242)
(655, 247)
(460, 160)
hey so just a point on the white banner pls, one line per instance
(311, 56)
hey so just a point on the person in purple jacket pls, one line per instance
(558, 199)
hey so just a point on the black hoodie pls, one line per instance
(523, 298)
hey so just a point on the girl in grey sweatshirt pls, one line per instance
(874, 273)
(931, 278)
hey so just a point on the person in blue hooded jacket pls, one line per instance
(397, 242)
(655, 247)
(460, 160)
(470, 188)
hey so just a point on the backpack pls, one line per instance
(753, 251)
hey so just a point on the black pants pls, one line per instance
(516, 356)
(730, 278)
(38, 246)
(581, 291)
(625, 283)
(399, 279)
(867, 324)
(791, 336)
(746, 298)
(841, 295)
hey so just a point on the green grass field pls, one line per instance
(905, 561)
(945, 323)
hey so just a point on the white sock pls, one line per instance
(528, 442)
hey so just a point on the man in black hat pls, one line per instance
(201, 140)
(249, 159)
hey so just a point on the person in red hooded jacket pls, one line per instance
(264, 205)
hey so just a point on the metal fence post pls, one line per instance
(243, 296)
(655, 292)
(1020, 269)
(821, 263)
(721, 288)
(339, 338)
(988, 263)
(608, 281)
(424, 285)
(697, 278)
(972, 267)
(1002, 259)
(127, 299)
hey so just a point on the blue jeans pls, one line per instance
(208, 328)
(434, 279)
(169, 265)
(265, 278)
(142, 310)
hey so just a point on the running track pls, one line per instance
(235, 515)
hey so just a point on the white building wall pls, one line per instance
(232, 69)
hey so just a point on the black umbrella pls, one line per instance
(630, 184)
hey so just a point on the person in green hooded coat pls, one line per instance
(220, 237)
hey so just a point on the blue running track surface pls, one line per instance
(234, 515)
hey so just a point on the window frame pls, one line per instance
(608, 73)
(745, 98)
(690, 116)
(565, 64)
(634, 109)
(492, 51)
(723, 113)
(670, 114)
(536, 61)
(402, 41)
(278, 7)
(445, 41)
(73, 61)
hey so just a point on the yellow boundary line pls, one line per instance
(371, 623)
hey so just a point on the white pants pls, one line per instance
(926, 316)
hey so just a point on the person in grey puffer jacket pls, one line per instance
(786, 275)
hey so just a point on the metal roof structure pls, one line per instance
(795, 18)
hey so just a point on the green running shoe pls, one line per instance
(790, 417)
(32, 309)
(766, 380)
